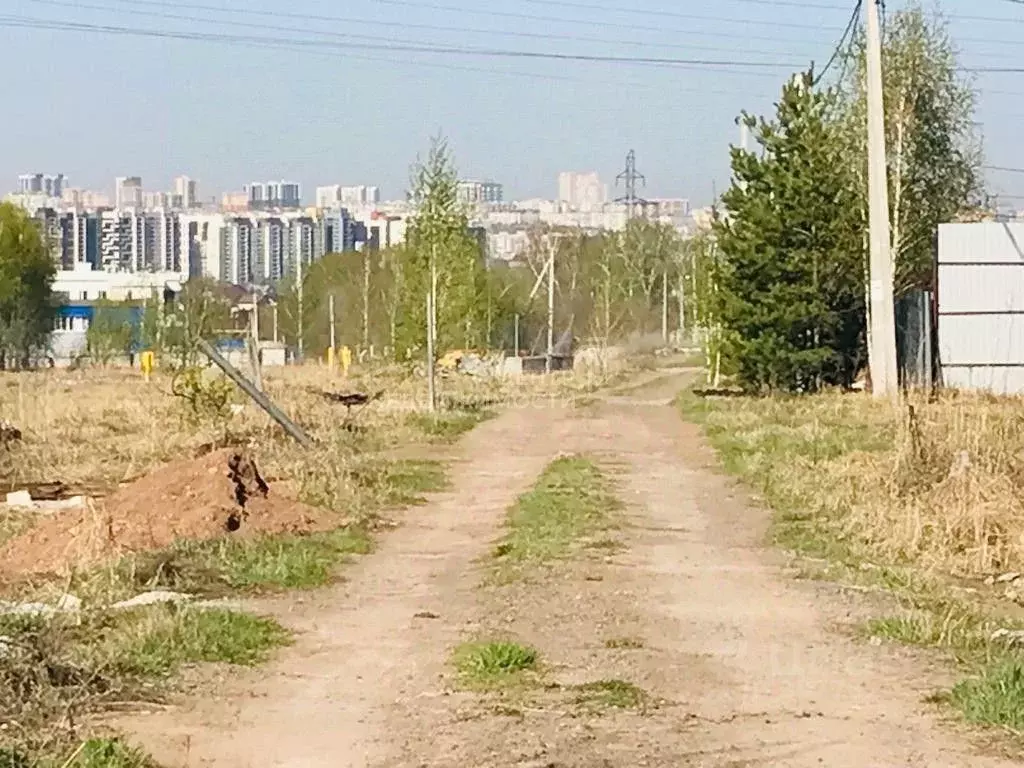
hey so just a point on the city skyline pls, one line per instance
(337, 108)
(582, 189)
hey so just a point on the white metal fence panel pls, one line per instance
(981, 306)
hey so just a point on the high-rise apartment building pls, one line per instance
(42, 184)
(359, 195)
(582, 191)
(338, 196)
(274, 195)
(476, 192)
(128, 192)
(185, 194)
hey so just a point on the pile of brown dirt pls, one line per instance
(190, 499)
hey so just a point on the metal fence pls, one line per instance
(914, 339)
(981, 306)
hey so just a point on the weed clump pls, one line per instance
(492, 665)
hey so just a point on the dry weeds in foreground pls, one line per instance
(938, 484)
(94, 429)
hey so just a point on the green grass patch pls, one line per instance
(227, 565)
(448, 426)
(93, 753)
(995, 697)
(400, 483)
(54, 671)
(110, 753)
(571, 500)
(623, 643)
(611, 694)
(947, 625)
(155, 642)
(494, 665)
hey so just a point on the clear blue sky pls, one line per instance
(327, 110)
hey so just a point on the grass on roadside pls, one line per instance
(93, 753)
(155, 643)
(56, 669)
(902, 500)
(994, 697)
(448, 426)
(494, 665)
(227, 565)
(572, 499)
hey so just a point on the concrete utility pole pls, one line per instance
(664, 308)
(548, 363)
(432, 329)
(881, 314)
(301, 343)
(334, 345)
(254, 342)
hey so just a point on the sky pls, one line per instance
(330, 100)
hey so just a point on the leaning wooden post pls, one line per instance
(258, 397)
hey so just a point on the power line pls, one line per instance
(499, 14)
(676, 15)
(338, 19)
(710, 64)
(557, 20)
(1001, 168)
(843, 41)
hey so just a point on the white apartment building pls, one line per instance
(338, 196)
(359, 195)
(42, 184)
(185, 193)
(477, 192)
(582, 191)
(128, 192)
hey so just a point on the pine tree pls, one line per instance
(792, 298)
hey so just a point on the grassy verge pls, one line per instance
(572, 501)
(918, 502)
(55, 669)
(222, 566)
(448, 426)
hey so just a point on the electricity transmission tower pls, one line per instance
(629, 178)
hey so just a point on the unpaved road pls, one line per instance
(749, 667)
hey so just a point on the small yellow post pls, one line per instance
(146, 362)
(346, 360)
(330, 358)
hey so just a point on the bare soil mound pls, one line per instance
(194, 499)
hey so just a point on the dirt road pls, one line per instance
(743, 666)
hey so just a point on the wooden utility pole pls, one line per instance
(881, 313)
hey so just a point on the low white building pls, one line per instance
(86, 284)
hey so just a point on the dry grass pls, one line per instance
(912, 500)
(939, 485)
